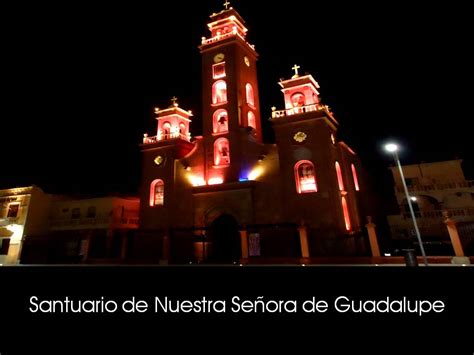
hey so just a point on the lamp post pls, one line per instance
(394, 148)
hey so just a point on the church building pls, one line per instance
(227, 195)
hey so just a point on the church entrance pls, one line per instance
(225, 237)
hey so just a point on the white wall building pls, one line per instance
(23, 213)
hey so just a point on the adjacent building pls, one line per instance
(434, 188)
(96, 230)
(23, 213)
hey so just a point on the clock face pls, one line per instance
(300, 137)
(247, 61)
(159, 160)
(219, 57)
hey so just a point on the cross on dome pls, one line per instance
(174, 100)
(226, 4)
(295, 68)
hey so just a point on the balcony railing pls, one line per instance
(217, 38)
(438, 186)
(299, 110)
(438, 214)
(85, 222)
(221, 37)
(166, 137)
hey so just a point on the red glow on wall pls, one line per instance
(345, 210)
(218, 70)
(182, 128)
(220, 121)
(219, 92)
(166, 130)
(298, 100)
(173, 123)
(224, 27)
(354, 175)
(340, 181)
(157, 193)
(221, 152)
(251, 120)
(300, 95)
(249, 95)
(305, 177)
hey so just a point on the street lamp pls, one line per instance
(394, 148)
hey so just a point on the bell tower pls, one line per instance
(231, 108)
(324, 170)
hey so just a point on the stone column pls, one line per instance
(374, 245)
(453, 234)
(109, 243)
(244, 242)
(84, 247)
(303, 232)
(14, 251)
(201, 248)
(166, 248)
(123, 252)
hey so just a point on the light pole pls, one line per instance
(394, 148)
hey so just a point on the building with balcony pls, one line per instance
(23, 213)
(228, 186)
(434, 188)
(85, 230)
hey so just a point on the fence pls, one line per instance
(190, 245)
(204, 245)
(326, 243)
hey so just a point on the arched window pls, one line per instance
(221, 152)
(249, 95)
(354, 176)
(305, 177)
(345, 210)
(219, 92)
(298, 99)
(251, 121)
(166, 130)
(157, 193)
(220, 121)
(182, 128)
(218, 71)
(340, 181)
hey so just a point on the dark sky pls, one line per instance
(80, 81)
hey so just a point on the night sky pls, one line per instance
(80, 82)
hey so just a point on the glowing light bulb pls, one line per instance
(391, 147)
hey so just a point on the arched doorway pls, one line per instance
(224, 234)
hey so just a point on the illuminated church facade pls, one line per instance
(230, 185)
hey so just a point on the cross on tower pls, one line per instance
(174, 100)
(226, 4)
(295, 68)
